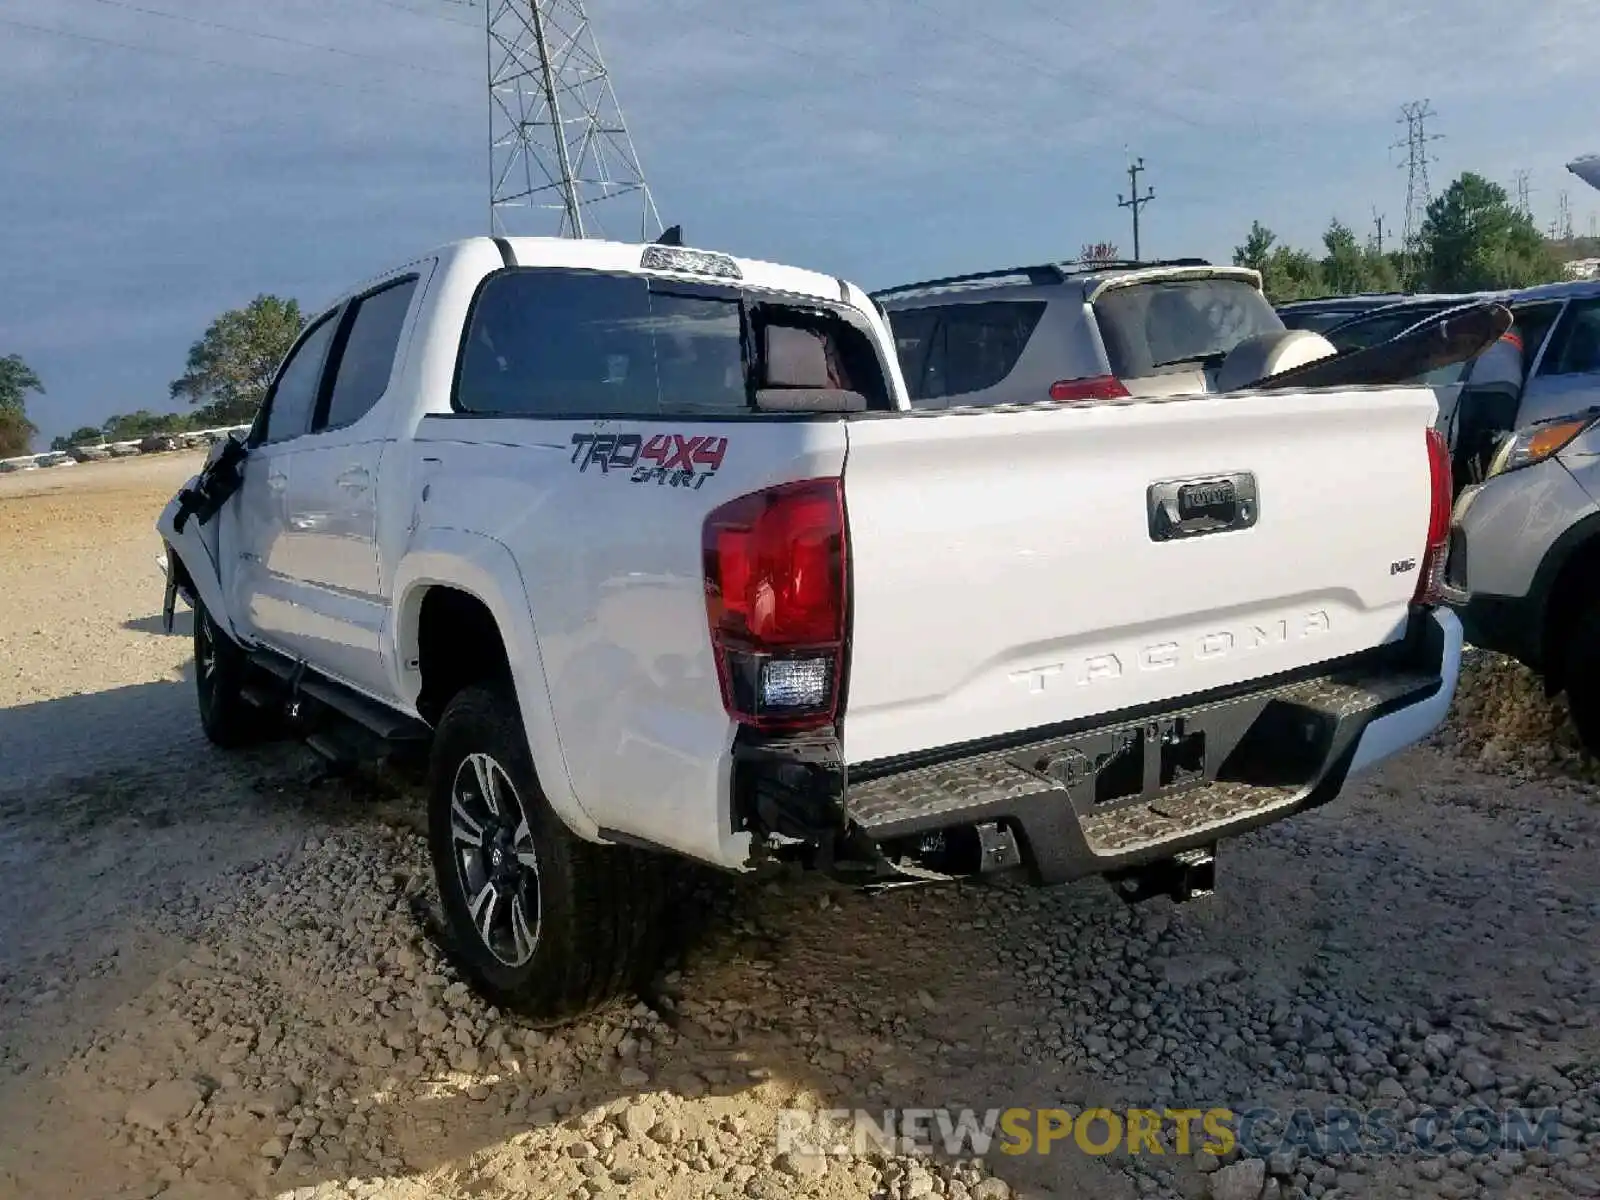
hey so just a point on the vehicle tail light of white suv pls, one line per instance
(1430, 580)
(775, 564)
(1098, 387)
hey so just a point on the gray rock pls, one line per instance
(802, 1166)
(635, 1120)
(1241, 1181)
(1206, 1162)
(1478, 1074)
(165, 1104)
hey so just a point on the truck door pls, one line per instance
(260, 594)
(330, 552)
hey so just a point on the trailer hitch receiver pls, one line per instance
(1185, 876)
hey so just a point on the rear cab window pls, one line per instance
(1162, 324)
(569, 344)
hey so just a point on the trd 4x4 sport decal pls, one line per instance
(669, 459)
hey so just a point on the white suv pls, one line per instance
(1073, 331)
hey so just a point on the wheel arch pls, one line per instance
(470, 575)
(1567, 579)
(193, 555)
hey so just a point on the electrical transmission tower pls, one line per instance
(1563, 227)
(1418, 192)
(1523, 194)
(557, 140)
(1377, 221)
(1135, 201)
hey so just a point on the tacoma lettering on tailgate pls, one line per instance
(1158, 656)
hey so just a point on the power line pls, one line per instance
(1135, 201)
(432, 16)
(387, 93)
(271, 37)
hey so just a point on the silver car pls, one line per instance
(1524, 564)
(1072, 331)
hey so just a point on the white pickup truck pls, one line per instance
(647, 545)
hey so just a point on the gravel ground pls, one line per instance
(214, 981)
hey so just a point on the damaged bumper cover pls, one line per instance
(1102, 798)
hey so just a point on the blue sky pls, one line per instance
(146, 190)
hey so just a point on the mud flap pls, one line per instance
(169, 602)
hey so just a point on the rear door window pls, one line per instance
(367, 359)
(913, 330)
(957, 349)
(1178, 322)
(1575, 345)
(982, 343)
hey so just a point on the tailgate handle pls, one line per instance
(1184, 508)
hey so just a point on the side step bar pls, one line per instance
(301, 683)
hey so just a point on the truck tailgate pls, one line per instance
(1007, 573)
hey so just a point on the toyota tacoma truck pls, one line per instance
(646, 546)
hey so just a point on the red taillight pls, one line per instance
(1430, 583)
(775, 599)
(1100, 387)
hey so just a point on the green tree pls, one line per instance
(126, 426)
(86, 435)
(1257, 248)
(231, 367)
(1349, 268)
(1292, 275)
(1474, 239)
(17, 379)
(1286, 274)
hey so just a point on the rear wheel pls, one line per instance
(542, 922)
(220, 668)
(1581, 671)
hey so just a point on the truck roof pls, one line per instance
(650, 258)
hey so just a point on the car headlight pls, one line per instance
(1535, 444)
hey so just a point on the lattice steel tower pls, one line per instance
(1418, 192)
(558, 145)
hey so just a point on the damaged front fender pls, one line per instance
(192, 565)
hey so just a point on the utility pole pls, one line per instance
(557, 140)
(1135, 201)
(1418, 192)
(1377, 221)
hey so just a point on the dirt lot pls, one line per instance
(213, 983)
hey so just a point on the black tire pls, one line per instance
(589, 915)
(1580, 669)
(220, 670)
